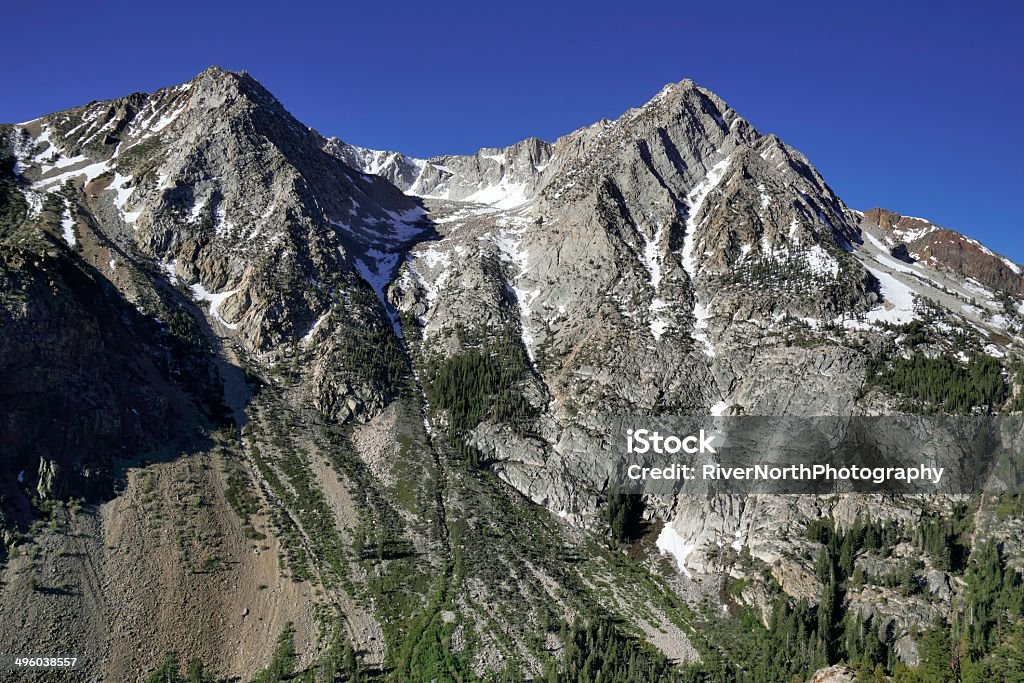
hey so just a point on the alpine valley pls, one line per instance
(276, 407)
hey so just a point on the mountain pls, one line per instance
(491, 176)
(947, 250)
(274, 400)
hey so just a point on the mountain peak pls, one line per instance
(163, 254)
(223, 82)
(678, 92)
(217, 73)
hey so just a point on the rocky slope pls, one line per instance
(491, 176)
(355, 343)
(922, 240)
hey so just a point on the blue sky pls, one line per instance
(915, 106)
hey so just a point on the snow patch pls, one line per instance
(701, 316)
(898, 305)
(378, 273)
(200, 293)
(510, 247)
(658, 327)
(877, 243)
(821, 262)
(221, 224)
(718, 410)
(913, 234)
(651, 258)
(167, 119)
(994, 351)
(308, 337)
(695, 199)
(882, 256)
(502, 196)
(794, 231)
(197, 210)
(122, 194)
(34, 200)
(169, 268)
(671, 543)
(91, 172)
(432, 259)
(67, 224)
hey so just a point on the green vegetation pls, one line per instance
(789, 276)
(934, 385)
(337, 663)
(369, 352)
(623, 515)
(1008, 505)
(1008, 302)
(290, 476)
(142, 156)
(463, 385)
(914, 333)
(1017, 404)
(995, 599)
(801, 639)
(985, 641)
(595, 649)
(314, 547)
(284, 660)
(945, 539)
(170, 672)
(482, 382)
(426, 655)
(241, 495)
(13, 208)
(183, 332)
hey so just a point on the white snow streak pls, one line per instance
(898, 305)
(67, 224)
(215, 300)
(695, 199)
(671, 543)
(504, 195)
(510, 247)
(312, 330)
(122, 195)
(652, 261)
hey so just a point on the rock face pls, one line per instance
(834, 674)
(492, 176)
(197, 253)
(74, 354)
(947, 250)
(227, 192)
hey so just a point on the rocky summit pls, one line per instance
(276, 405)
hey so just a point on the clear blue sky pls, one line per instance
(916, 106)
